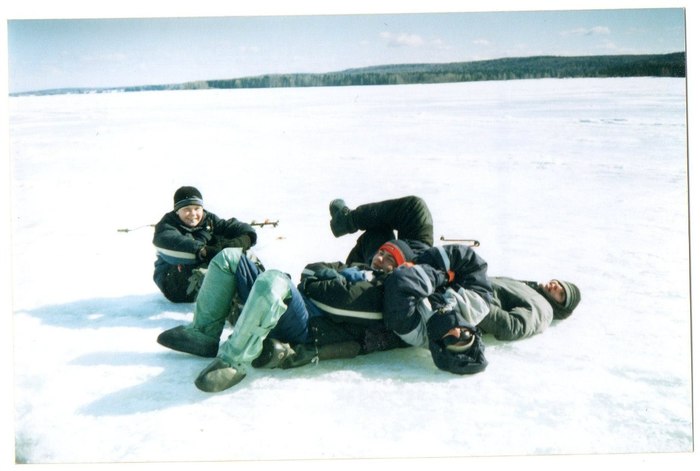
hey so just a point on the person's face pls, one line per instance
(555, 291)
(191, 215)
(383, 261)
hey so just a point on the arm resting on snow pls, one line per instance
(504, 325)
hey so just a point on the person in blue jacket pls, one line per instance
(187, 238)
(417, 291)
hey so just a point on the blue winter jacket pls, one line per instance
(413, 292)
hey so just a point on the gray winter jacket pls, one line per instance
(517, 310)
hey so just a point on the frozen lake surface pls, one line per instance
(582, 179)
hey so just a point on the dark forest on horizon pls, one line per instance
(538, 67)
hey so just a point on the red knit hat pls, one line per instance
(399, 250)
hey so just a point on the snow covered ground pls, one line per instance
(580, 179)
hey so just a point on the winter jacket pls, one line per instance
(517, 310)
(449, 278)
(350, 299)
(178, 249)
(346, 293)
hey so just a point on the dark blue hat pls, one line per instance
(186, 196)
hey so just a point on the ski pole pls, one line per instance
(469, 242)
(266, 222)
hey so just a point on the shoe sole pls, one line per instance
(219, 379)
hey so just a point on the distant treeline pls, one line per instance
(652, 65)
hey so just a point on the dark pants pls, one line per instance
(409, 216)
(173, 281)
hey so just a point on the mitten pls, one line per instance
(352, 274)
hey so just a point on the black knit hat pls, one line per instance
(186, 196)
(399, 250)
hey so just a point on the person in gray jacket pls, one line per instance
(521, 309)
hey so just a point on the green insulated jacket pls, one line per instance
(517, 310)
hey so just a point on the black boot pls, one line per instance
(309, 353)
(273, 354)
(188, 340)
(341, 218)
(218, 376)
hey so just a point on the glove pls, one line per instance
(208, 252)
(243, 242)
(439, 302)
(352, 274)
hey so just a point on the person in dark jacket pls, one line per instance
(520, 309)
(454, 340)
(437, 303)
(187, 238)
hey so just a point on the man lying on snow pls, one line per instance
(336, 311)
(520, 309)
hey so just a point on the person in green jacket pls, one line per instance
(521, 309)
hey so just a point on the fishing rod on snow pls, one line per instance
(127, 229)
(468, 242)
(264, 223)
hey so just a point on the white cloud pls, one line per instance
(439, 44)
(402, 39)
(595, 31)
(481, 42)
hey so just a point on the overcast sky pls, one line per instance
(50, 50)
